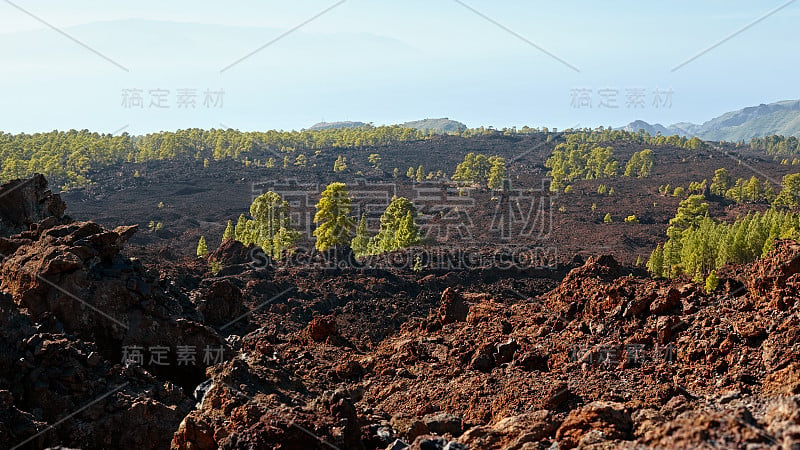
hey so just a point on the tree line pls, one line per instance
(69, 156)
(776, 145)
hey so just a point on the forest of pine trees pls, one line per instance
(698, 244)
(481, 170)
(67, 157)
(776, 145)
(575, 161)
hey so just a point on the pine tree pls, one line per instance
(228, 234)
(712, 282)
(633, 165)
(240, 231)
(334, 224)
(420, 174)
(408, 232)
(790, 194)
(607, 218)
(752, 190)
(340, 165)
(270, 213)
(656, 262)
(646, 168)
(375, 160)
(497, 173)
(360, 243)
(640, 164)
(410, 173)
(721, 182)
(391, 222)
(690, 212)
(202, 248)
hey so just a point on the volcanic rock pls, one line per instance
(26, 202)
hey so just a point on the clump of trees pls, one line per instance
(340, 165)
(640, 164)
(481, 170)
(790, 194)
(602, 135)
(572, 161)
(698, 244)
(398, 228)
(742, 190)
(776, 145)
(270, 227)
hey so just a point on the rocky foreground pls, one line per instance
(98, 350)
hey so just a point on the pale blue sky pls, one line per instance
(389, 61)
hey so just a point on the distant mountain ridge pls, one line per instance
(443, 125)
(755, 121)
(330, 125)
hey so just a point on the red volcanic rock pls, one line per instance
(221, 303)
(512, 432)
(26, 202)
(321, 328)
(453, 307)
(776, 277)
(611, 419)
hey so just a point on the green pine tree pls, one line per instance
(228, 234)
(360, 243)
(202, 248)
(391, 222)
(721, 182)
(712, 282)
(334, 224)
(270, 213)
(420, 177)
(497, 173)
(656, 262)
(408, 232)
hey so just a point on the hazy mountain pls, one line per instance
(754, 121)
(329, 125)
(443, 125)
(654, 129)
